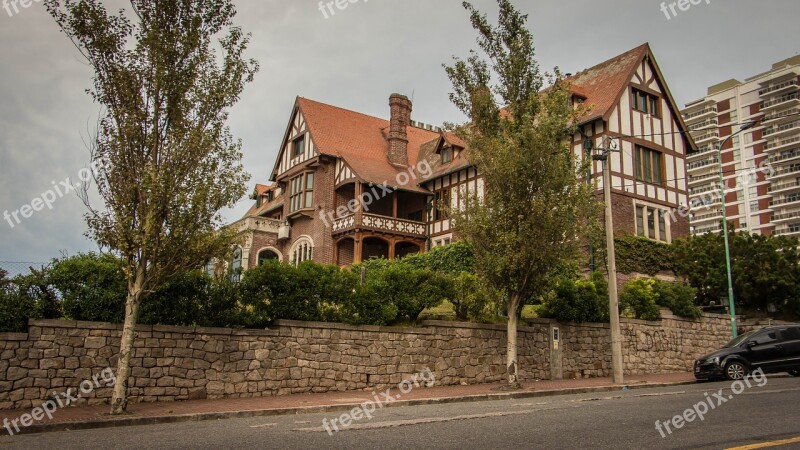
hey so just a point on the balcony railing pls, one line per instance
(703, 217)
(693, 179)
(787, 231)
(777, 87)
(783, 156)
(703, 163)
(784, 127)
(693, 192)
(782, 186)
(781, 114)
(706, 124)
(707, 229)
(706, 136)
(779, 100)
(258, 224)
(702, 112)
(379, 223)
(786, 216)
(781, 143)
(785, 201)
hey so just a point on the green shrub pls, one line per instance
(470, 299)
(410, 290)
(366, 307)
(678, 297)
(310, 292)
(639, 299)
(14, 309)
(451, 259)
(92, 287)
(576, 301)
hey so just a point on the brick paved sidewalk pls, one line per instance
(81, 417)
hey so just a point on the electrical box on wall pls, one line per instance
(556, 338)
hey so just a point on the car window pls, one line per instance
(765, 338)
(791, 334)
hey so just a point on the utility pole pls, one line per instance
(613, 300)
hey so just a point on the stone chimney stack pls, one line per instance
(400, 107)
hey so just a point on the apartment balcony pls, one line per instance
(785, 216)
(787, 201)
(781, 102)
(707, 111)
(707, 229)
(780, 88)
(697, 165)
(706, 137)
(792, 230)
(705, 124)
(778, 188)
(700, 218)
(784, 172)
(778, 115)
(694, 180)
(698, 191)
(785, 156)
(706, 150)
(781, 143)
(380, 224)
(783, 129)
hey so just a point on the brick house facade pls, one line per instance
(347, 187)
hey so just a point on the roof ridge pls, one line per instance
(611, 60)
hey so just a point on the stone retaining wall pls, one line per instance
(180, 363)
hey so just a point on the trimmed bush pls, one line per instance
(639, 299)
(470, 299)
(577, 301)
(92, 287)
(678, 297)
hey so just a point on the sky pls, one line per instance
(354, 58)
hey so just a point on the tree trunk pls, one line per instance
(511, 348)
(119, 401)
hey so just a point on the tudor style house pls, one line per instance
(348, 187)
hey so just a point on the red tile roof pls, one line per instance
(360, 140)
(603, 84)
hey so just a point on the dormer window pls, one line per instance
(259, 201)
(299, 146)
(447, 155)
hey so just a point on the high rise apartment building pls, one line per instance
(761, 165)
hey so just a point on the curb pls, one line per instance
(197, 417)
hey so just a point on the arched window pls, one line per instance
(267, 254)
(302, 250)
(236, 265)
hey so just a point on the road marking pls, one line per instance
(661, 394)
(400, 423)
(266, 425)
(767, 444)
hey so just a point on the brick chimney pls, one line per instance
(400, 107)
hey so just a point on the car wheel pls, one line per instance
(735, 370)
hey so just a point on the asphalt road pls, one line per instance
(618, 420)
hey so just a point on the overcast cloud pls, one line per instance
(353, 59)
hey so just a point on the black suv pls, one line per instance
(773, 349)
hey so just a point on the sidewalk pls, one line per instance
(83, 417)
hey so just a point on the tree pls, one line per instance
(765, 269)
(524, 224)
(165, 162)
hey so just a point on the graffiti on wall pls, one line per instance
(654, 340)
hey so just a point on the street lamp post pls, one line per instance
(725, 224)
